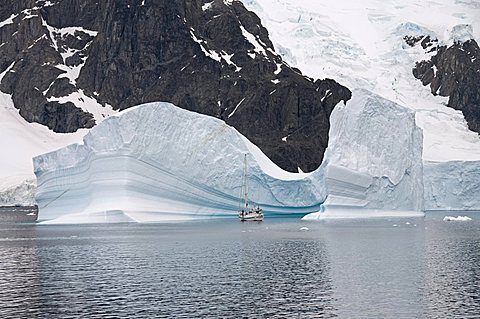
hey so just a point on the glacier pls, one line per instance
(157, 162)
(453, 185)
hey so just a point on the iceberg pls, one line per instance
(157, 162)
(373, 164)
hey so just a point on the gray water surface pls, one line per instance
(398, 268)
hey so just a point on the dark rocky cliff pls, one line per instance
(453, 71)
(65, 58)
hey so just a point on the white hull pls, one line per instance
(251, 216)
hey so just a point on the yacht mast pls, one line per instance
(245, 181)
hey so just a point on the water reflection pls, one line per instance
(453, 276)
(19, 276)
(378, 269)
(182, 271)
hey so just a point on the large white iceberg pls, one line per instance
(373, 164)
(157, 162)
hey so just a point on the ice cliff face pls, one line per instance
(374, 159)
(452, 185)
(158, 162)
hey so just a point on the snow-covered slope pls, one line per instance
(19, 142)
(360, 44)
(157, 162)
(373, 164)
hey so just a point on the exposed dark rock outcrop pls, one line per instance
(212, 57)
(454, 72)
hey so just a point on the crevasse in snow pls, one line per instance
(157, 162)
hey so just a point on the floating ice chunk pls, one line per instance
(157, 162)
(456, 219)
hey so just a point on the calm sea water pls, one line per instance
(402, 268)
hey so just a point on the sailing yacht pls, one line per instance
(247, 212)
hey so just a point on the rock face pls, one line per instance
(72, 61)
(453, 71)
(373, 163)
(157, 162)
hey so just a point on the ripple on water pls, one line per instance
(230, 270)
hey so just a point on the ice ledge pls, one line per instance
(359, 213)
